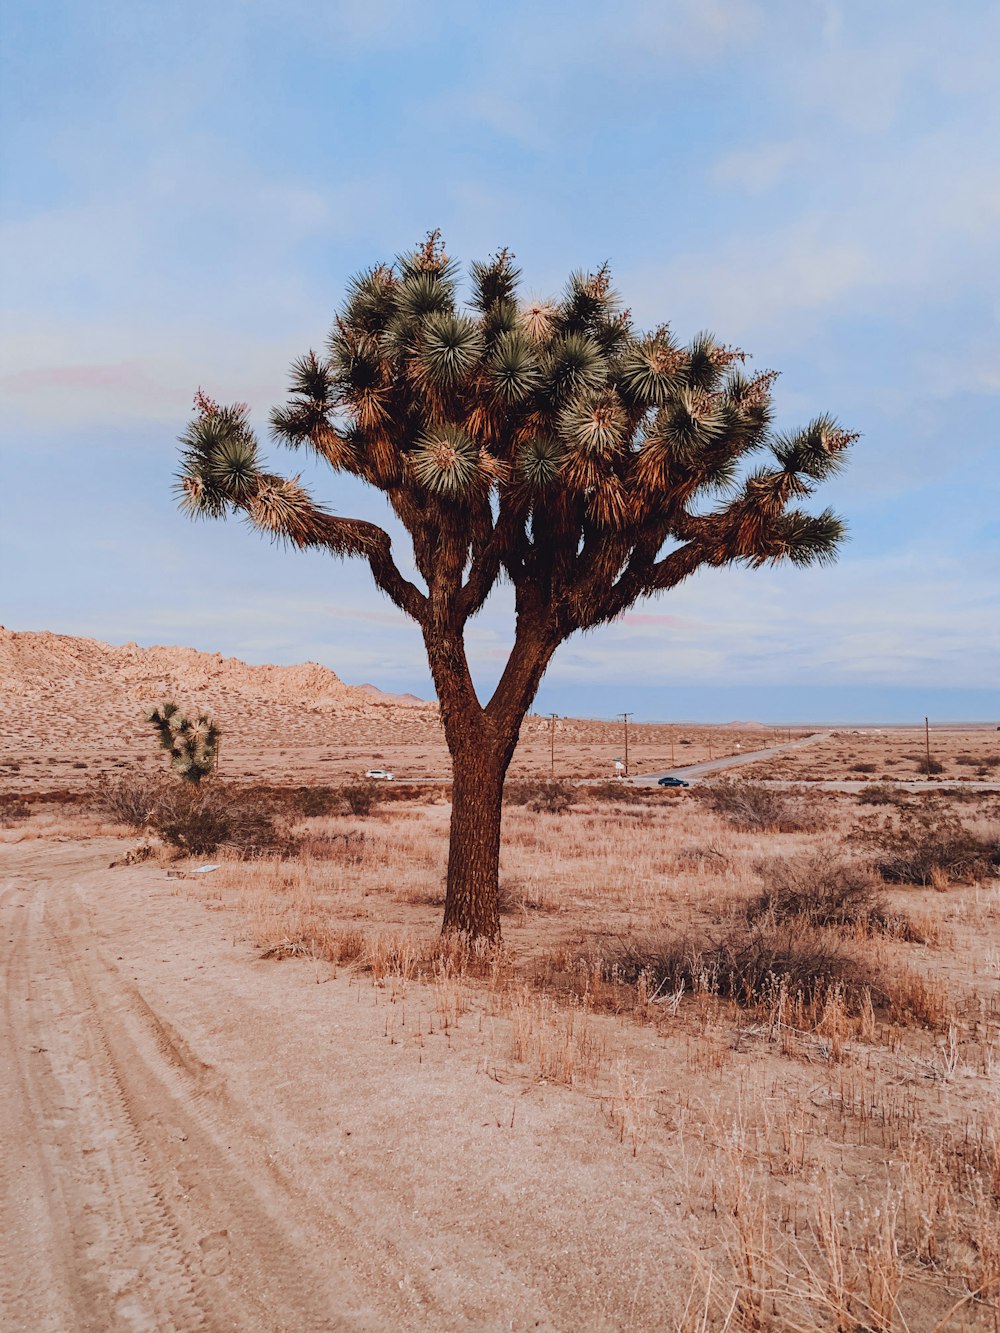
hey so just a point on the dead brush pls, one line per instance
(916, 845)
(824, 891)
(746, 805)
(13, 810)
(348, 846)
(540, 795)
(748, 963)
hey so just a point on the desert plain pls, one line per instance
(736, 1064)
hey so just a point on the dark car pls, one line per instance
(672, 782)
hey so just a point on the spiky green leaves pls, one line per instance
(306, 417)
(371, 300)
(649, 370)
(594, 423)
(706, 360)
(572, 364)
(494, 282)
(450, 349)
(816, 452)
(687, 427)
(446, 462)
(589, 301)
(539, 461)
(219, 461)
(806, 539)
(193, 746)
(513, 367)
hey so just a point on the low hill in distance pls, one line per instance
(73, 707)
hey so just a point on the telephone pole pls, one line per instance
(625, 717)
(554, 717)
(927, 743)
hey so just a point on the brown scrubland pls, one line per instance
(736, 1064)
(726, 1070)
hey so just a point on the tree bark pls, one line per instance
(472, 901)
(481, 742)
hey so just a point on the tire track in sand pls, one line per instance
(144, 1214)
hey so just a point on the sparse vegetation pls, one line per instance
(751, 965)
(362, 797)
(13, 810)
(193, 746)
(915, 846)
(194, 818)
(823, 890)
(755, 1019)
(747, 805)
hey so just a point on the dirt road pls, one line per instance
(691, 772)
(195, 1138)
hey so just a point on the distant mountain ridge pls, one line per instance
(31, 660)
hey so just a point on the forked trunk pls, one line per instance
(472, 902)
(481, 742)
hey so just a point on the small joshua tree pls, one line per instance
(548, 443)
(193, 746)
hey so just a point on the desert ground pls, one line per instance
(735, 1066)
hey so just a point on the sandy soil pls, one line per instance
(204, 1132)
(205, 1140)
(968, 754)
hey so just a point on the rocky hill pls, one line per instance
(71, 705)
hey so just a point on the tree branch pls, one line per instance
(286, 512)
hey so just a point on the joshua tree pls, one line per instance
(549, 443)
(193, 746)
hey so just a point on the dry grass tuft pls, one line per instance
(825, 891)
(915, 845)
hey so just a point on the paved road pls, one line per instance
(692, 772)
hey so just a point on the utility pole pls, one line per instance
(671, 747)
(927, 742)
(625, 717)
(554, 717)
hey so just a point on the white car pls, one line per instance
(382, 773)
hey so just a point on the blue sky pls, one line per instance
(186, 189)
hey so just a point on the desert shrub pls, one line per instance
(881, 793)
(128, 798)
(822, 890)
(196, 819)
(212, 815)
(621, 792)
(930, 766)
(919, 844)
(747, 805)
(751, 964)
(863, 768)
(13, 810)
(361, 797)
(539, 794)
(554, 798)
(314, 802)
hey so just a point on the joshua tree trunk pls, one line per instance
(472, 903)
(482, 742)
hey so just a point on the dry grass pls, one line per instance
(803, 1059)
